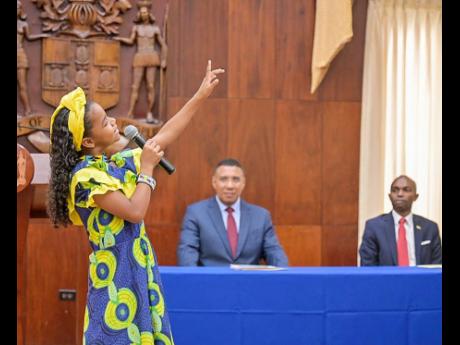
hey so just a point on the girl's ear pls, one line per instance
(87, 143)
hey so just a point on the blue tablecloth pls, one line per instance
(304, 306)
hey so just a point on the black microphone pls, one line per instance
(133, 134)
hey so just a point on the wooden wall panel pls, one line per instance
(163, 200)
(251, 129)
(52, 257)
(200, 147)
(203, 26)
(298, 163)
(174, 50)
(343, 81)
(301, 243)
(251, 48)
(164, 239)
(23, 203)
(295, 22)
(341, 124)
(339, 245)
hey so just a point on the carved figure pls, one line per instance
(21, 169)
(22, 62)
(147, 59)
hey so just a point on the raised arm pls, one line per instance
(30, 37)
(174, 127)
(128, 40)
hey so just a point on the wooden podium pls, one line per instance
(25, 173)
(32, 170)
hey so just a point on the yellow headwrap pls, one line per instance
(75, 101)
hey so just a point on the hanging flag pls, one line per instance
(333, 29)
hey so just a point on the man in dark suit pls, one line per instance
(401, 238)
(224, 229)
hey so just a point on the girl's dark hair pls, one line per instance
(63, 159)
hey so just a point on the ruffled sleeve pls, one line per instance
(91, 181)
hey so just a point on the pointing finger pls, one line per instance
(218, 71)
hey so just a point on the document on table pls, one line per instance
(430, 266)
(256, 267)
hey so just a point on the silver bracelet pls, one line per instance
(143, 178)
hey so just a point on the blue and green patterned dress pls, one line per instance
(125, 302)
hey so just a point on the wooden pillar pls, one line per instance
(25, 173)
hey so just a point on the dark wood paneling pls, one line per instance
(163, 200)
(339, 245)
(298, 163)
(251, 48)
(174, 51)
(341, 124)
(203, 36)
(295, 21)
(251, 128)
(51, 263)
(164, 239)
(200, 147)
(343, 81)
(23, 202)
(302, 244)
(39, 200)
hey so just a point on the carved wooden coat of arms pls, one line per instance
(80, 54)
(81, 47)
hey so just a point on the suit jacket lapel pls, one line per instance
(216, 218)
(390, 235)
(245, 225)
(417, 237)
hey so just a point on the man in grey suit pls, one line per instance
(400, 238)
(224, 229)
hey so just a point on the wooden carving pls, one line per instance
(25, 168)
(93, 64)
(81, 47)
(147, 36)
(82, 18)
(22, 62)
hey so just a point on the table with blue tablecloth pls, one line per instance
(305, 306)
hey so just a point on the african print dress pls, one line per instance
(125, 302)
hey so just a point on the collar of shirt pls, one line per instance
(223, 207)
(397, 217)
(236, 212)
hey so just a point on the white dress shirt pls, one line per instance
(409, 225)
(236, 212)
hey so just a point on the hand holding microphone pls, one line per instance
(133, 134)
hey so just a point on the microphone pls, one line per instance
(133, 134)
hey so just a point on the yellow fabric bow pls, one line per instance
(75, 101)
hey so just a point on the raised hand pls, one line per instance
(209, 82)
